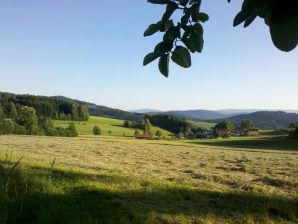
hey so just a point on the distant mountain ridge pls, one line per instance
(145, 111)
(197, 115)
(267, 119)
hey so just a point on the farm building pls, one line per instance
(142, 136)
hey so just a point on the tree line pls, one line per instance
(22, 119)
(45, 106)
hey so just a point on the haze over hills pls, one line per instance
(265, 119)
(145, 111)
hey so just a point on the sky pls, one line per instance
(93, 50)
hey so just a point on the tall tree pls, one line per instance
(12, 111)
(28, 118)
(74, 112)
(247, 124)
(1, 113)
(147, 127)
(226, 124)
(83, 113)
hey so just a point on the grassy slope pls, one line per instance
(105, 124)
(250, 143)
(205, 125)
(108, 180)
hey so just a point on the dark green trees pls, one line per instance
(158, 134)
(28, 118)
(50, 107)
(293, 133)
(23, 120)
(247, 124)
(226, 124)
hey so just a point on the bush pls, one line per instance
(19, 129)
(6, 127)
(294, 133)
(96, 130)
(71, 131)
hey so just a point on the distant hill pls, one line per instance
(267, 119)
(197, 115)
(102, 111)
(49, 106)
(145, 111)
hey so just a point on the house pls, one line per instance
(142, 136)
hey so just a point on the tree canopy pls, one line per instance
(186, 36)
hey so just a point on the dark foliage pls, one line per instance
(171, 123)
(44, 106)
(101, 111)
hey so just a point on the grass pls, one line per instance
(120, 180)
(105, 124)
(251, 143)
(204, 125)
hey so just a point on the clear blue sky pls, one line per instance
(93, 50)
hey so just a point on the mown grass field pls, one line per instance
(120, 180)
(106, 124)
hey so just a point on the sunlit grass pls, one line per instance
(108, 126)
(121, 180)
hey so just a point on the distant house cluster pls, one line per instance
(225, 133)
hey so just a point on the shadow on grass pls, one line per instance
(147, 203)
(262, 143)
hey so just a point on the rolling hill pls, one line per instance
(102, 111)
(267, 119)
(197, 115)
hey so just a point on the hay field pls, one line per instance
(108, 180)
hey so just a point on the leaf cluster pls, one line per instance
(179, 39)
(280, 16)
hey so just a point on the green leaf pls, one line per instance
(183, 2)
(181, 56)
(171, 7)
(149, 58)
(161, 2)
(249, 20)
(186, 16)
(152, 29)
(249, 8)
(197, 28)
(172, 34)
(163, 47)
(284, 26)
(163, 65)
(203, 17)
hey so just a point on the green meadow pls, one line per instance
(108, 126)
(121, 180)
(204, 125)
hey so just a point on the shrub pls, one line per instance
(294, 133)
(96, 130)
(7, 127)
(71, 131)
